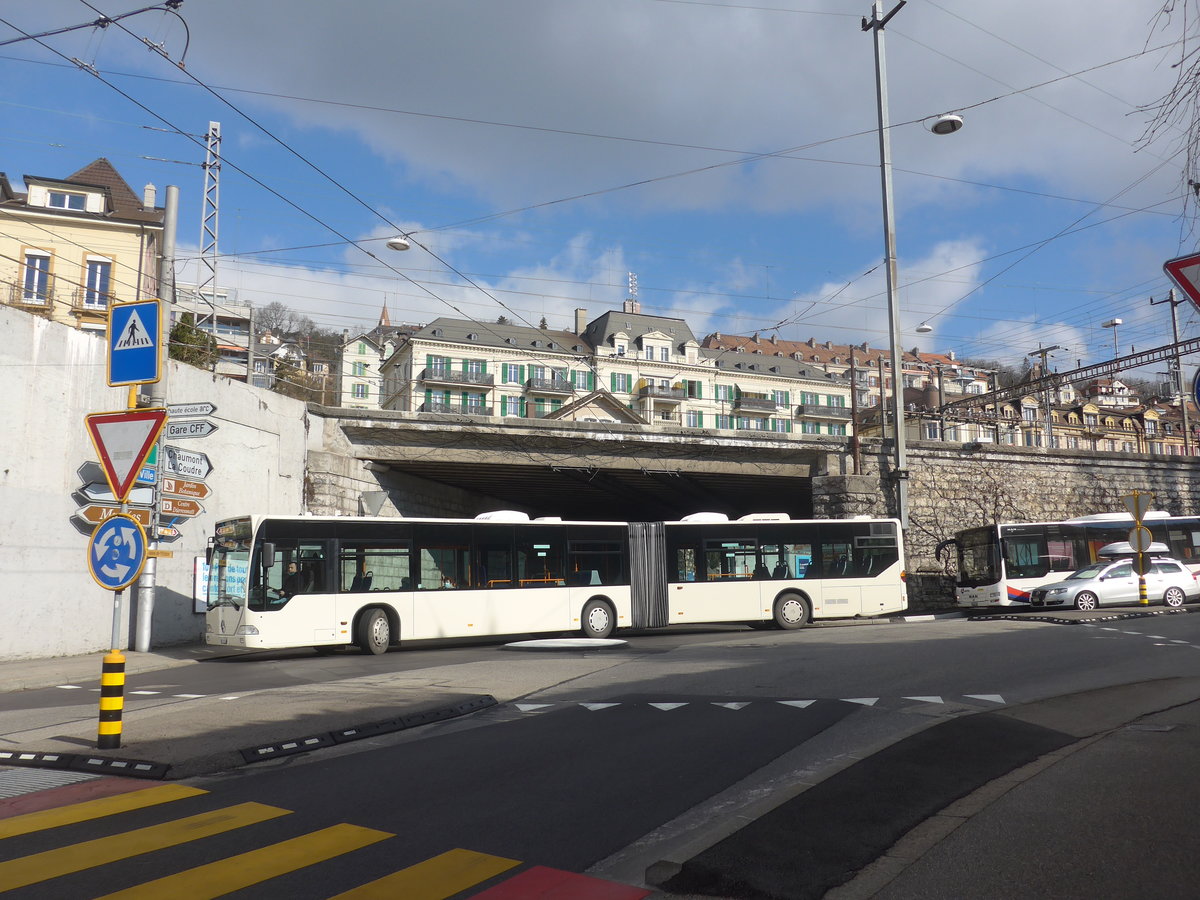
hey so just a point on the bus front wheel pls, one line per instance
(598, 619)
(374, 632)
(791, 612)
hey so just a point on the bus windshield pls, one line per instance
(978, 557)
(229, 564)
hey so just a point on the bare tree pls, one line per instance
(1175, 116)
(278, 319)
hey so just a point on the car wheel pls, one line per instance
(598, 619)
(1173, 597)
(374, 632)
(1086, 600)
(791, 612)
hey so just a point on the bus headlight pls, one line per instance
(247, 629)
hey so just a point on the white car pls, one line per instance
(1114, 581)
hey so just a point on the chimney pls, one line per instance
(149, 196)
(812, 342)
(580, 320)
(866, 346)
(950, 355)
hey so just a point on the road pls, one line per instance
(725, 751)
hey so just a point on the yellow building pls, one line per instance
(70, 247)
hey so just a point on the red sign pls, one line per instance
(1185, 272)
(123, 441)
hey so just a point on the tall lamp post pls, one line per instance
(1114, 324)
(947, 124)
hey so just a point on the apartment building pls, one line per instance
(627, 366)
(70, 247)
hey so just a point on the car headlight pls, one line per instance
(1057, 591)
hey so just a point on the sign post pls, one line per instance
(1139, 538)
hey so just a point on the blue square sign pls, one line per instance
(135, 343)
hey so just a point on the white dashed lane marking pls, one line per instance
(736, 705)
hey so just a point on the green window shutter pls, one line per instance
(613, 382)
(787, 398)
(522, 407)
(700, 419)
(429, 360)
(699, 390)
(483, 367)
(521, 375)
(428, 396)
(504, 406)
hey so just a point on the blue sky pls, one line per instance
(547, 148)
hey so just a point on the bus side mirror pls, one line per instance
(268, 554)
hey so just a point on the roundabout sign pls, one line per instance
(117, 552)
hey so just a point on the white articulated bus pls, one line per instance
(277, 582)
(1000, 564)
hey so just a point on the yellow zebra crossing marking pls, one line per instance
(436, 878)
(68, 860)
(246, 869)
(94, 809)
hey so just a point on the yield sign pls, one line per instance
(123, 441)
(1137, 503)
(1185, 272)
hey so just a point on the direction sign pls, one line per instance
(135, 342)
(1185, 272)
(189, 428)
(123, 441)
(168, 533)
(190, 410)
(117, 552)
(186, 463)
(197, 490)
(1137, 503)
(143, 496)
(98, 513)
(148, 475)
(180, 506)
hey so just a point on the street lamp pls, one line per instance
(943, 125)
(1113, 323)
(399, 242)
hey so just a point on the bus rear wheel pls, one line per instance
(374, 632)
(598, 619)
(791, 612)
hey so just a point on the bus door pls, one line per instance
(839, 571)
(722, 583)
(294, 593)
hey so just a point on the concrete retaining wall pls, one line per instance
(55, 376)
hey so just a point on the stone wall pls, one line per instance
(951, 488)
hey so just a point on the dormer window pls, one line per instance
(437, 332)
(472, 336)
(66, 200)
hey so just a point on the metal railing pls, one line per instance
(754, 404)
(820, 411)
(549, 386)
(439, 375)
(461, 409)
(658, 392)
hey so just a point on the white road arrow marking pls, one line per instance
(733, 705)
(667, 707)
(926, 699)
(799, 704)
(865, 701)
(596, 706)
(991, 698)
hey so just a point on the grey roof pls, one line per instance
(635, 325)
(513, 337)
(733, 363)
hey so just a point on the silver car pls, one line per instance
(1114, 581)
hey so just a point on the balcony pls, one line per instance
(661, 417)
(16, 295)
(818, 411)
(440, 375)
(549, 386)
(757, 405)
(458, 409)
(657, 392)
(86, 301)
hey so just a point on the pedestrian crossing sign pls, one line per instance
(135, 343)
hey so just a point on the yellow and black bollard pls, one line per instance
(112, 701)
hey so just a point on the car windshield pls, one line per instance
(1091, 571)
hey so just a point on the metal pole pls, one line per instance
(855, 442)
(1178, 367)
(148, 580)
(900, 469)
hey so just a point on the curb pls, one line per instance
(138, 768)
(1060, 620)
